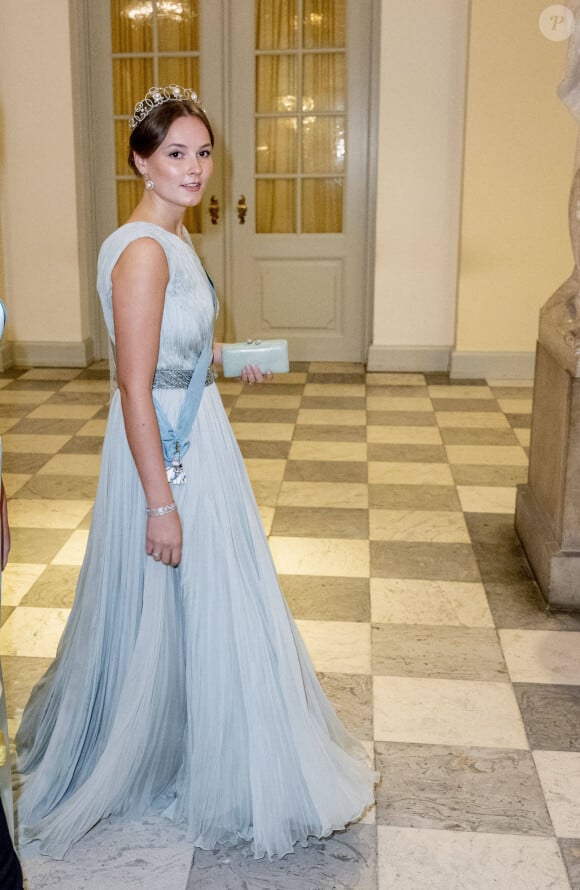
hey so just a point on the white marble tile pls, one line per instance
(488, 455)
(343, 390)
(321, 556)
(460, 392)
(72, 465)
(37, 444)
(542, 656)
(398, 403)
(230, 386)
(343, 451)
(268, 400)
(264, 432)
(93, 428)
(17, 579)
(472, 419)
(13, 482)
(58, 411)
(559, 773)
(447, 712)
(46, 513)
(487, 498)
(72, 554)
(100, 384)
(50, 374)
(389, 378)
(449, 603)
(527, 383)
(336, 367)
(338, 646)
(515, 406)
(331, 417)
(437, 526)
(411, 473)
(404, 435)
(267, 514)
(32, 631)
(428, 859)
(523, 436)
(324, 494)
(263, 469)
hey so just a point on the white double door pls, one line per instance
(289, 252)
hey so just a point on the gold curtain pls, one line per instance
(297, 135)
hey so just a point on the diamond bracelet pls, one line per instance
(161, 511)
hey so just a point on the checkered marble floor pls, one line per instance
(389, 503)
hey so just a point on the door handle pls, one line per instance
(214, 210)
(242, 209)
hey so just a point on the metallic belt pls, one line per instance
(179, 379)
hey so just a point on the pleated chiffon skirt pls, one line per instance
(186, 692)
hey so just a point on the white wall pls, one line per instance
(422, 83)
(38, 202)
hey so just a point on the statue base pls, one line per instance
(548, 507)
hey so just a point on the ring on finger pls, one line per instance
(156, 556)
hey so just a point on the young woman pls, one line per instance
(181, 685)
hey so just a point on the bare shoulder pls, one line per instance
(143, 258)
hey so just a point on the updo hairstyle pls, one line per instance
(148, 135)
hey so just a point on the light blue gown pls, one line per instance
(185, 692)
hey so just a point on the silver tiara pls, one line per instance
(157, 96)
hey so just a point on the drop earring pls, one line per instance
(149, 184)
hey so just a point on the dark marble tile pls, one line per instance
(334, 403)
(326, 471)
(444, 653)
(401, 418)
(5, 612)
(21, 674)
(306, 433)
(460, 789)
(479, 436)
(336, 377)
(15, 410)
(570, 848)
(228, 400)
(326, 598)
(519, 604)
(442, 378)
(512, 392)
(407, 453)
(263, 415)
(38, 545)
(54, 588)
(405, 392)
(47, 426)
(345, 861)
(301, 367)
(284, 389)
(503, 476)
(79, 397)
(551, 715)
(33, 386)
(98, 373)
(60, 487)
(505, 565)
(102, 414)
(413, 497)
(86, 522)
(20, 462)
(351, 695)
(478, 405)
(258, 449)
(403, 559)
(520, 421)
(492, 528)
(320, 522)
(83, 445)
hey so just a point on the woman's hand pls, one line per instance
(252, 374)
(164, 538)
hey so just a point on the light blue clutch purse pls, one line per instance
(267, 355)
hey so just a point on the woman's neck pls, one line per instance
(167, 218)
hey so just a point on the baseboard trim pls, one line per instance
(51, 354)
(493, 365)
(408, 358)
(6, 356)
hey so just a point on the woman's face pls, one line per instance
(182, 165)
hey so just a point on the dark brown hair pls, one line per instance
(150, 133)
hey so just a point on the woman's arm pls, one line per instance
(139, 282)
